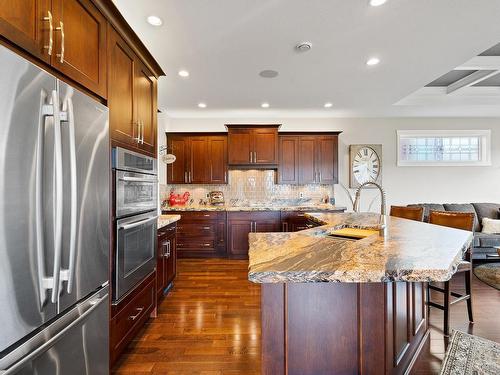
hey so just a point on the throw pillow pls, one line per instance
(491, 226)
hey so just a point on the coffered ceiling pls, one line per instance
(224, 45)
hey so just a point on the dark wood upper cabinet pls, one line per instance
(217, 152)
(146, 102)
(121, 97)
(306, 159)
(327, 159)
(288, 166)
(315, 158)
(27, 24)
(253, 146)
(80, 43)
(198, 172)
(200, 159)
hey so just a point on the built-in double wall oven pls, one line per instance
(136, 214)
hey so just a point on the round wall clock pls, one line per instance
(365, 164)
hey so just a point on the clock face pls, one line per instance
(366, 165)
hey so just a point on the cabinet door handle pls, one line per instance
(61, 29)
(255, 156)
(251, 157)
(51, 33)
(185, 177)
(284, 226)
(206, 215)
(319, 175)
(225, 176)
(139, 311)
(142, 127)
(189, 177)
(255, 227)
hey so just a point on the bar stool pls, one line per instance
(464, 221)
(410, 213)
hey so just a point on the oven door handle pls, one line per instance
(137, 179)
(136, 223)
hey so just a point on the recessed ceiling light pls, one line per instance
(268, 73)
(184, 73)
(303, 46)
(202, 105)
(373, 61)
(376, 3)
(265, 105)
(328, 105)
(154, 21)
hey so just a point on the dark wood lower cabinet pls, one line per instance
(240, 224)
(376, 329)
(130, 315)
(294, 221)
(201, 234)
(166, 265)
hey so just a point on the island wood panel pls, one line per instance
(83, 44)
(288, 166)
(370, 332)
(22, 22)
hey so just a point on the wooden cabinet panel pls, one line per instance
(253, 145)
(80, 43)
(327, 160)
(265, 145)
(121, 90)
(177, 171)
(217, 153)
(145, 101)
(307, 160)
(198, 172)
(238, 231)
(288, 165)
(23, 23)
(171, 266)
(166, 265)
(240, 146)
(240, 224)
(201, 159)
(130, 315)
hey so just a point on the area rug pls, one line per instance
(489, 273)
(471, 355)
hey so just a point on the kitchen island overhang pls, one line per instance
(337, 306)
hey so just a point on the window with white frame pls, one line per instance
(444, 147)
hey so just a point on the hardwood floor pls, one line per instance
(486, 308)
(209, 324)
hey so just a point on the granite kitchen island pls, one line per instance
(333, 305)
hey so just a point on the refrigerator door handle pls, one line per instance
(44, 282)
(23, 355)
(58, 196)
(68, 274)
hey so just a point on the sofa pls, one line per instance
(483, 243)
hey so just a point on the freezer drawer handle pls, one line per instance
(12, 368)
(136, 223)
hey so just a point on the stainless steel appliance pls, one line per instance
(54, 224)
(136, 212)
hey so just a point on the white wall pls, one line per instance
(403, 184)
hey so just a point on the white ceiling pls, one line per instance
(224, 44)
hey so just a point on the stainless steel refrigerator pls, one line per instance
(54, 224)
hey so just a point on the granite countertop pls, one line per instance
(411, 251)
(164, 220)
(270, 207)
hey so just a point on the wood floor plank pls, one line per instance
(209, 324)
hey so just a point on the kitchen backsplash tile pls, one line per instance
(252, 185)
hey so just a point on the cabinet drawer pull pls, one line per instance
(139, 311)
(207, 245)
(206, 228)
(206, 215)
